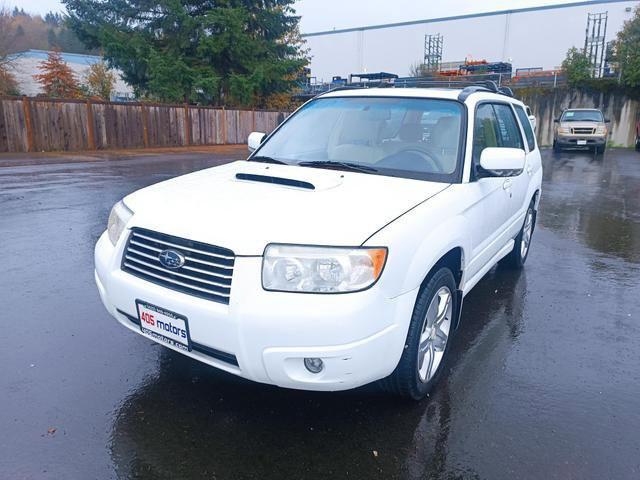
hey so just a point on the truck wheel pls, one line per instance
(556, 147)
(600, 150)
(637, 144)
(522, 244)
(427, 342)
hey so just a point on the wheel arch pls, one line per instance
(536, 199)
(454, 260)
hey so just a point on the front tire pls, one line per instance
(522, 243)
(428, 339)
(556, 147)
(637, 143)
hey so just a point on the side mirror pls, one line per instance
(501, 162)
(254, 141)
(556, 120)
(607, 120)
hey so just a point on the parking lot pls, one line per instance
(543, 381)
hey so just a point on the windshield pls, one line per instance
(404, 137)
(582, 116)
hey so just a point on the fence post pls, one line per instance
(90, 126)
(253, 120)
(224, 126)
(26, 106)
(187, 125)
(145, 128)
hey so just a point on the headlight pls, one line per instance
(601, 130)
(291, 268)
(118, 219)
(564, 131)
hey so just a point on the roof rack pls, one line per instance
(467, 87)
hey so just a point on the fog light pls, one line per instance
(314, 365)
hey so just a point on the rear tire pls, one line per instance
(522, 244)
(428, 340)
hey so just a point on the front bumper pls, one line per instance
(572, 141)
(265, 336)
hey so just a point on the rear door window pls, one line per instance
(509, 133)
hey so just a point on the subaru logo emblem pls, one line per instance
(171, 259)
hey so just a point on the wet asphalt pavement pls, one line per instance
(543, 379)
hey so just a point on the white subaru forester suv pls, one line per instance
(340, 252)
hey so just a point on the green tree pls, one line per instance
(235, 52)
(577, 67)
(628, 52)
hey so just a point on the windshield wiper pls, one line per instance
(263, 159)
(351, 167)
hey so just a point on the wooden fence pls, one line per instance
(45, 124)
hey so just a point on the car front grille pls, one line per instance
(207, 269)
(583, 131)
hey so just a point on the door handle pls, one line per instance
(507, 184)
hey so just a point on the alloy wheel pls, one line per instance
(527, 230)
(435, 334)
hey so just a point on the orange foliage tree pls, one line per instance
(57, 78)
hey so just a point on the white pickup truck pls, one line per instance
(340, 252)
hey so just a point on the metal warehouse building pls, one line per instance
(528, 38)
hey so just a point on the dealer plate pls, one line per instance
(163, 325)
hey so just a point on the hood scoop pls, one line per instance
(285, 182)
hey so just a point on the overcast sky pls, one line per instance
(328, 14)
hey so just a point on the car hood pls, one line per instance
(224, 207)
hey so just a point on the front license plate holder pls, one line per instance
(164, 326)
(582, 142)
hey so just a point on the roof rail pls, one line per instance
(343, 87)
(464, 94)
(506, 91)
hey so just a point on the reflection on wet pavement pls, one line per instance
(542, 382)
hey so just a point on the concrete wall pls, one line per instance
(549, 104)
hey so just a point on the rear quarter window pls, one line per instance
(526, 126)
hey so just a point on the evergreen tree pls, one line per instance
(57, 78)
(237, 52)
